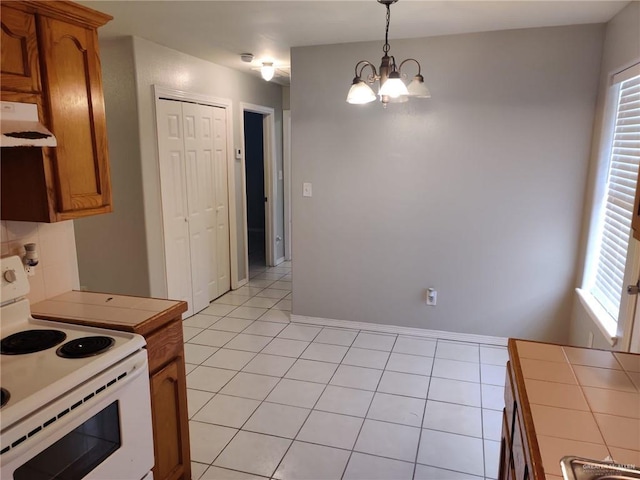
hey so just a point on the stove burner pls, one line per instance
(85, 347)
(4, 397)
(30, 341)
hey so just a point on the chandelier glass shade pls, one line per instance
(392, 88)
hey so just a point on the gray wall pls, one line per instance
(477, 192)
(132, 138)
(111, 248)
(158, 65)
(621, 49)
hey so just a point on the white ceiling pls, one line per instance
(218, 31)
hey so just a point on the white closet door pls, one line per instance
(200, 175)
(174, 202)
(223, 253)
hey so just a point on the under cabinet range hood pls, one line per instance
(20, 126)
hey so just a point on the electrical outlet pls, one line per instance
(432, 297)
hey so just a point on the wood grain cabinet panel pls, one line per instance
(520, 456)
(51, 50)
(19, 68)
(76, 107)
(168, 403)
(504, 471)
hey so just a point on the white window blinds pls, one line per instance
(617, 208)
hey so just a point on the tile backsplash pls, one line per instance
(57, 271)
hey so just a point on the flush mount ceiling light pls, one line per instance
(267, 70)
(392, 88)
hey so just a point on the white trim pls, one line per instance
(270, 177)
(279, 261)
(286, 165)
(415, 332)
(634, 341)
(241, 283)
(164, 92)
(628, 304)
(626, 74)
(243, 186)
(597, 314)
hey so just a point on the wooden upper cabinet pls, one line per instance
(73, 85)
(50, 56)
(19, 71)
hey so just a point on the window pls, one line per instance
(608, 257)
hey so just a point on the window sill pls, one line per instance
(599, 316)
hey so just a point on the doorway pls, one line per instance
(256, 201)
(264, 232)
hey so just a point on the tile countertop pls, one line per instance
(583, 402)
(105, 310)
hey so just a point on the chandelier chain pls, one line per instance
(392, 87)
(386, 46)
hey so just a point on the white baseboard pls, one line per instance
(395, 329)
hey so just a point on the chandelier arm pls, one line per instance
(365, 64)
(410, 60)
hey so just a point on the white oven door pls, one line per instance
(102, 430)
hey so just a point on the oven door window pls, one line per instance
(78, 452)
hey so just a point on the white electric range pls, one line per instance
(75, 399)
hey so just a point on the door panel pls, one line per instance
(222, 201)
(198, 146)
(193, 170)
(174, 202)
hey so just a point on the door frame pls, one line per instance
(270, 181)
(628, 303)
(286, 165)
(180, 95)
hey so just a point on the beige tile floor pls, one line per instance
(273, 399)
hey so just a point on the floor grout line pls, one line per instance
(424, 412)
(343, 345)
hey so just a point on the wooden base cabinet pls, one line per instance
(169, 402)
(515, 455)
(168, 393)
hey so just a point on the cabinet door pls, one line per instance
(18, 52)
(170, 428)
(518, 452)
(72, 78)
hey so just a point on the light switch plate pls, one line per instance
(306, 190)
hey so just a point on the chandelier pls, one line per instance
(392, 88)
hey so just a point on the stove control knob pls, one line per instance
(10, 276)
